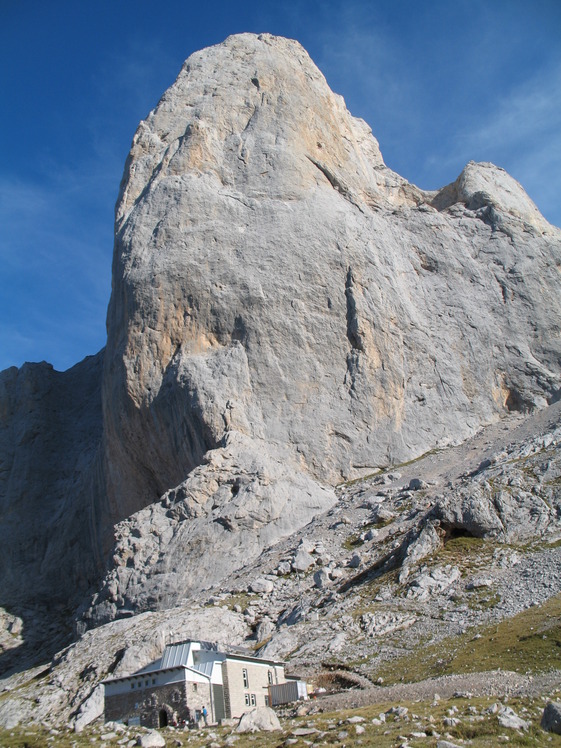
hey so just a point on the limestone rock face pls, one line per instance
(273, 277)
(239, 502)
(50, 432)
(286, 313)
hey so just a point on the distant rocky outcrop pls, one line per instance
(287, 313)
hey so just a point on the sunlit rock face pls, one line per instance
(287, 313)
(273, 277)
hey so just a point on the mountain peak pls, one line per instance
(287, 314)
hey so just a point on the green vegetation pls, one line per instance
(483, 599)
(355, 481)
(475, 724)
(389, 468)
(530, 642)
(242, 599)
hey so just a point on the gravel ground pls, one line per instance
(497, 683)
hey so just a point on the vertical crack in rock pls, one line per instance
(353, 333)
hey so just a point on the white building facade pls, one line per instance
(189, 677)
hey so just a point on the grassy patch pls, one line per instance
(483, 599)
(468, 553)
(355, 481)
(242, 599)
(530, 642)
(353, 541)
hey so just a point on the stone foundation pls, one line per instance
(158, 706)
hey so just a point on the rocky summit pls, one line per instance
(306, 356)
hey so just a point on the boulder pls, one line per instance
(432, 582)
(151, 739)
(262, 586)
(284, 567)
(508, 718)
(551, 717)
(302, 560)
(261, 719)
(382, 514)
(322, 578)
(417, 484)
(90, 709)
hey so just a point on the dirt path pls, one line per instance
(497, 683)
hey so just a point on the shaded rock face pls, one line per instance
(286, 313)
(50, 432)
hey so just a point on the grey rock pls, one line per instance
(302, 561)
(398, 711)
(269, 500)
(451, 721)
(261, 719)
(261, 586)
(417, 484)
(322, 578)
(551, 717)
(419, 544)
(90, 709)
(50, 494)
(479, 583)
(508, 718)
(264, 630)
(382, 623)
(151, 739)
(432, 582)
(382, 514)
(205, 172)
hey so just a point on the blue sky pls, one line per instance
(440, 83)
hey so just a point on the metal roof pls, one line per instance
(176, 654)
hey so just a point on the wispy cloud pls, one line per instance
(523, 135)
(458, 83)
